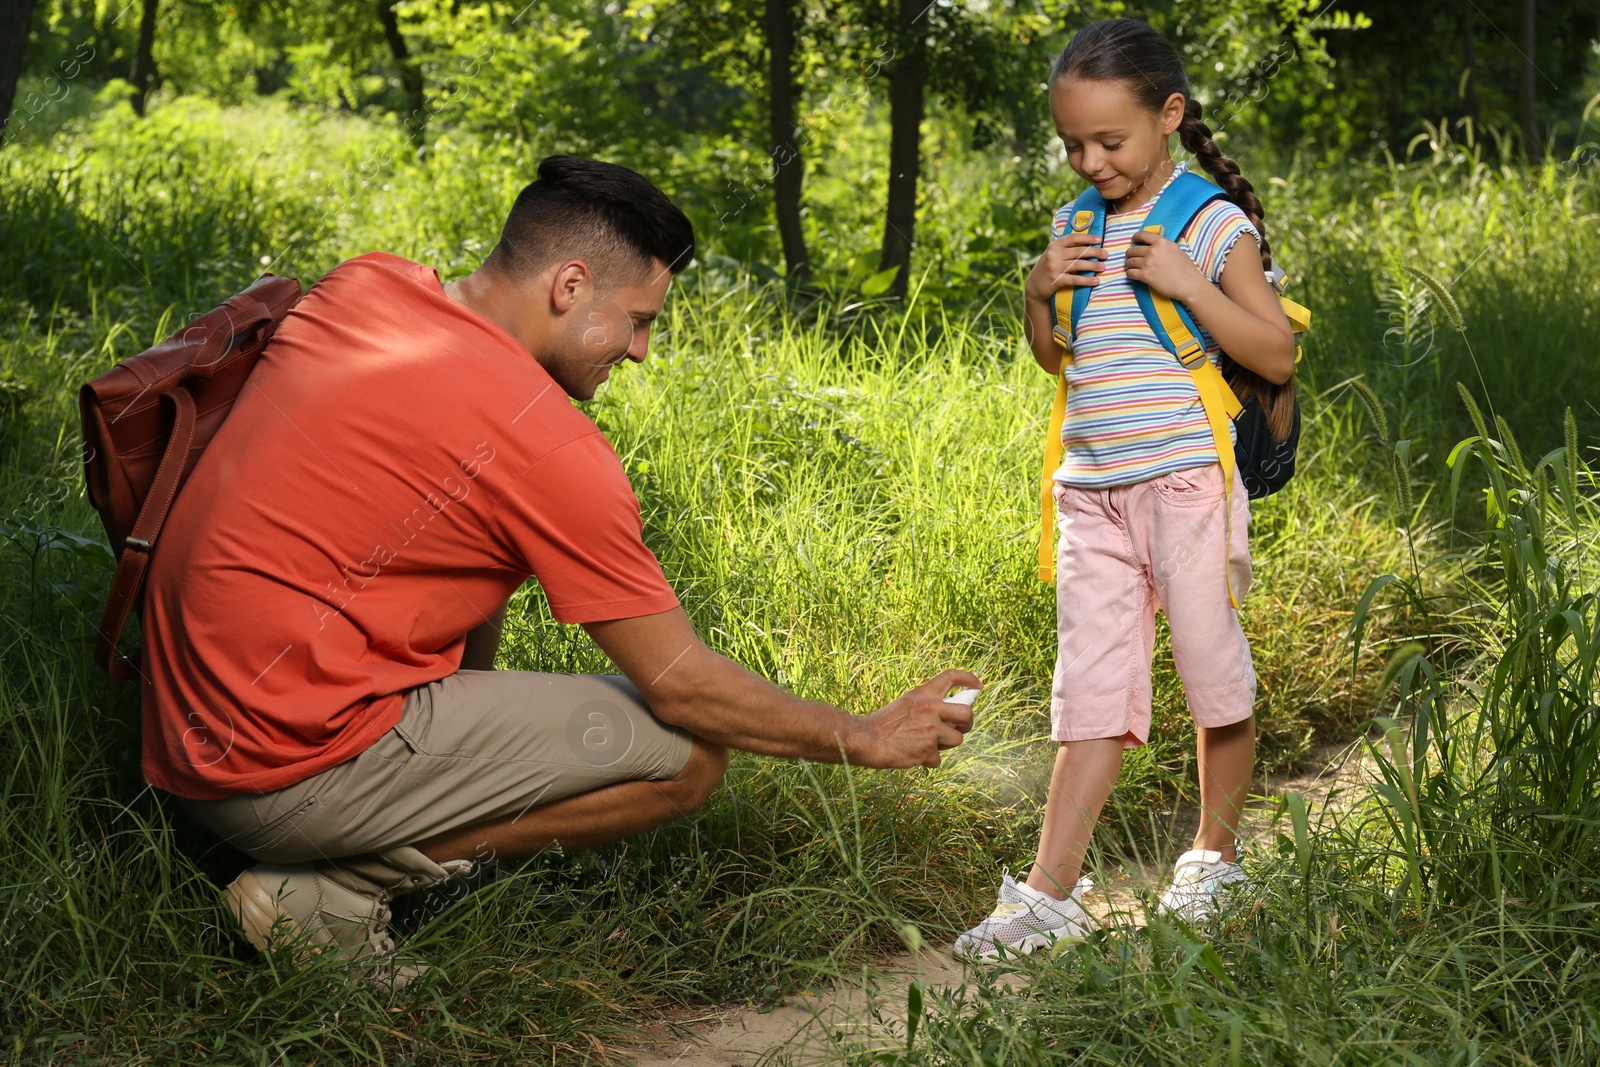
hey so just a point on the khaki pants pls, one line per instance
(473, 747)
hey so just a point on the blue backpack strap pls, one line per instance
(1173, 210)
(1088, 216)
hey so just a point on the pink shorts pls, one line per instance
(1123, 551)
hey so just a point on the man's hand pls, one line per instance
(912, 730)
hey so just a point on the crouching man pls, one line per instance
(321, 620)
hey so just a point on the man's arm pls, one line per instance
(689, 686)
(483, 643)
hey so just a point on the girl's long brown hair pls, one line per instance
(1130, 51)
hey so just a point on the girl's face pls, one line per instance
(1112, 140)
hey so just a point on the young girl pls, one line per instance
(1139, 496)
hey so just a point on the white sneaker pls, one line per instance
(1024, 921)
(1201, 881)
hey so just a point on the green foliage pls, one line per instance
(1493, 791)
(1317, 971)
(569, 76)
(843, 493)
(1408, 68)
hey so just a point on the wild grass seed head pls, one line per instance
(1402, 484)
(1570, 441)
(1374, 408)
(1472, 410)
(1507, 438)
(1441, 295)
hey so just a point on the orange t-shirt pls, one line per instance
(395, 468)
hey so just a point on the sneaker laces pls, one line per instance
(1008, 910)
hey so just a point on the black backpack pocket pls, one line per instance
(1265, 464)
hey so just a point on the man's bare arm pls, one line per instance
(689, 686)
(483, 643)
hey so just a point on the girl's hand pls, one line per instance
(1061, 263)
(1159, 263)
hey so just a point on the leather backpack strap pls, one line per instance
(135, 558)
(215, 347)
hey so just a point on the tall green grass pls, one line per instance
(1446, 916)
(843, 494)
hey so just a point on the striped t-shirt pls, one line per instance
(1133, 412)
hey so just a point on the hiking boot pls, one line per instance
(1201, 882)
(1024, 921)
(340, 905)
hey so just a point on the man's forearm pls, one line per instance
(722, 702)
(688, 685)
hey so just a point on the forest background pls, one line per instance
(835, 446)
(737, 107)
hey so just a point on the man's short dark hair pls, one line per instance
(612, 218)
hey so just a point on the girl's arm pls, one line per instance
(1036, 326)
(1060, 267)
(1243, 316)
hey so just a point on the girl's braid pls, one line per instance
(1277, 401)
(1196, 137)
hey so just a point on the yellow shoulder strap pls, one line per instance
(1299, 315)
(1220, 404)
(1082, 220)
(1052, 460)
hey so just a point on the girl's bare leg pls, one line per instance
(1084, 775)
(1227, 762)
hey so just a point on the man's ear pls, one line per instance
(571, 284)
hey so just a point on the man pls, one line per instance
(322, 619)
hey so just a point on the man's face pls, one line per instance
(603, 328)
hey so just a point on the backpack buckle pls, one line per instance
(1191, 354)
(137, 543)
(1082, 220)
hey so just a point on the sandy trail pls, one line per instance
(870, 1011)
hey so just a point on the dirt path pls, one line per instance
(806, 1030)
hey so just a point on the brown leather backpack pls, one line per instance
(146, 421)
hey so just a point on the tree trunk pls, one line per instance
(906, 74)
(788, 171)
(1531, 144)
(16, 18)
(143, 61)
(410, 76)
(1469, 74)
